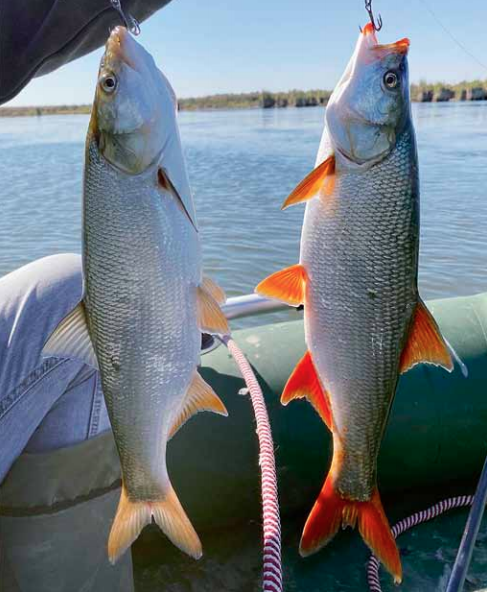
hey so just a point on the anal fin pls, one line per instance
(200, 397)
(287, 285)
(425, 343)
(304, 382)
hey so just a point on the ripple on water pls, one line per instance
(242, 164)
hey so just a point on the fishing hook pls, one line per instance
(377, 25)
(129, 21)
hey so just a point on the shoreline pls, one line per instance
(422, 93)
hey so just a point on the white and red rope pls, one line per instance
(272, 567)
(453, 502)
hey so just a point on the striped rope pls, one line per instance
(272, 567)
(453, 502)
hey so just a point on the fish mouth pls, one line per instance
(118, 48)
(370, 38)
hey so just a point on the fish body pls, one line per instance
(142, 266)
(360, 252)
(365, 322)
(145, 300)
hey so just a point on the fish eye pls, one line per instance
(108, 82)
(391, 79)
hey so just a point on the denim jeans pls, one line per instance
(45, 403)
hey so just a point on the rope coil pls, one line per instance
(373, 566)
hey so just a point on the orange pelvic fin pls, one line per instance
(425, 342)
(286, 285)
(304, 382)
(132, 516)
(320, 181)
(331, 511)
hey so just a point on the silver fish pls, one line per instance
(365, 322)
(146, 301)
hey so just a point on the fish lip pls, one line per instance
(369, 30)
(115, 48)
(401, 46)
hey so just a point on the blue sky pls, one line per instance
(211, 46)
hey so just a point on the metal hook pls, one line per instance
(377, 25)
(128, 20)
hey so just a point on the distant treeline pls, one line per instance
(425, 92)
(264, 100)
(54, 110)
(475, 90)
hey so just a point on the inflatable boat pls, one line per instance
(53, 505)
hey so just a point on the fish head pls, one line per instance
(370, 105)
(134, 109)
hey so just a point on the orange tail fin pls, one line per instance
(331, 511)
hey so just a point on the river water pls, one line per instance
(242, 164)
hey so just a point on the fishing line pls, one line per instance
(452, 37)
(130, 22)
(272, 566)
(373, 566)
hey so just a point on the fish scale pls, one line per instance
(142, 266)
(360, 249)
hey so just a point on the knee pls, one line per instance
(55, 275)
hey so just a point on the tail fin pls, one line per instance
(331, 511)
(168, 513)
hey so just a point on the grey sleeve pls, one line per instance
(38, 36)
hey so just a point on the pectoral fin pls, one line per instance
(320, 181)
(166, 183)
(425, 343)
(210, 316)
(304, 382)
(200, 397)
(71, 339)
(287, 285)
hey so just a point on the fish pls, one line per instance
(365, 322)
(146, 301)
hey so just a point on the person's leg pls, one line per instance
(44, 403)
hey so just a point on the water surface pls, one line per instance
(242, 164)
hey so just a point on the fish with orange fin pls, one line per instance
(365, 322)
(146, 301)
